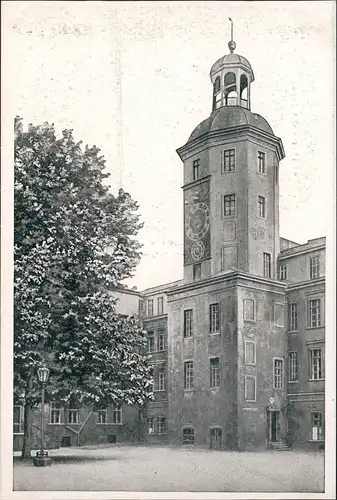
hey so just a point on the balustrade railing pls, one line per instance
(236, 101)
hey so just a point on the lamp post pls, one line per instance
(42, 459)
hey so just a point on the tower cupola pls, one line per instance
(231, 76)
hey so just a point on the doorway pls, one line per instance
(274, 426)
(216, 438)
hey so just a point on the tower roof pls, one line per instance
(227, 117)
(230, 60)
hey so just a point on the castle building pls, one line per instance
(237, 345)
(241, 365)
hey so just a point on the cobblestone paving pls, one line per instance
(140, 468)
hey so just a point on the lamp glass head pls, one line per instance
(43, 374)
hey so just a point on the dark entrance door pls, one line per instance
(274, 425)
(216, 438)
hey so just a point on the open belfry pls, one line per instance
(237, 345)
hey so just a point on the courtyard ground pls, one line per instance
(141, 468)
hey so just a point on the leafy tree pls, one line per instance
(65, 220)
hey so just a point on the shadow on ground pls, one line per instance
(62, 459)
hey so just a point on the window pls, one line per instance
(161, 340)
(117, 416)
(216, 93)
(316, 426)
(266, 265)
(282, 272)
(293, 366)
(292, 317)
(250, 352)
(250, 388)
(188, 323)
(261, 162)
(314, 267)
(156, 425)
(141, 306)
(150, 342)
(216, 86)
(188, 435)
(248, 310)
(150, 425)
(261, 205)
(278, 314)
(229, 259)
(188, 374)
(229, 204)
(196, 271)
(73, 416)
(214, 318)
(314, 313)
(161, 380)
(151, 385)
(229, 160)
(150, 307)
(161, 425)
(196, 167)
(214, 372)
(102, 417)
(278, 373)
(160, 306)
(315, 364)
(55, 414)
(18, 419)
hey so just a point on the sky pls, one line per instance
(133, 79)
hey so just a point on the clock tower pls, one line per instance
(231, 192)
(226, 336)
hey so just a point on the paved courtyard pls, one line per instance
(140, 468)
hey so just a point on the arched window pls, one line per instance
(230, 89)
(244, 87)
(216, 93)
(216, 86)
(230, 79)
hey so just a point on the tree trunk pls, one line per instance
(141, 423)
(28, 420)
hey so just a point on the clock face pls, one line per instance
(197, 250)
(197, 221)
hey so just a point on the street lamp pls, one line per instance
(42, 459)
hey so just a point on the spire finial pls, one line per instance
(231, 44)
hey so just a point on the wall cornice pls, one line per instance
(208, 138)
(201, 180)
(300, 252)
(237, 278)
(305, 284)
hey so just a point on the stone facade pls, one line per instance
(248, 343)
(90, 427)
(305, 268)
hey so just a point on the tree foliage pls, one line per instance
(65, 219)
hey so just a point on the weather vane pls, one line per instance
(231, 44)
